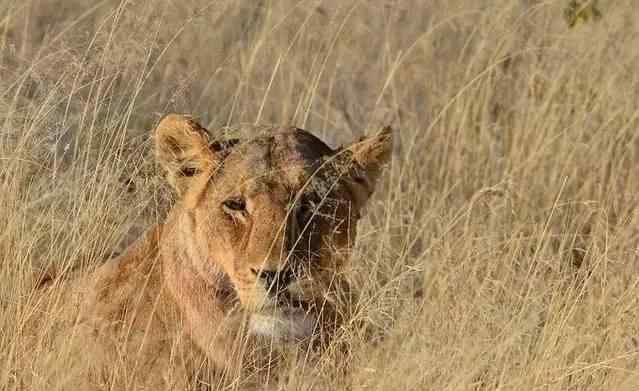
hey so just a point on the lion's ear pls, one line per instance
(370, 154)
(182, 149)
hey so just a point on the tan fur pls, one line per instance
(190, 300)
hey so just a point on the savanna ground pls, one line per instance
(501, 249)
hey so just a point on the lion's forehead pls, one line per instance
(299, 145)
(288, 157)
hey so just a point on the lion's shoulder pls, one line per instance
(130, 281)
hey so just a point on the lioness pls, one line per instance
(246, 264)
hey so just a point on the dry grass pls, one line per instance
(501, 249)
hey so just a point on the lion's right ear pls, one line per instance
(182, 149)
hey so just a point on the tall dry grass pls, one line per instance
(501, 249)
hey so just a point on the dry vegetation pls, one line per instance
(501, 250)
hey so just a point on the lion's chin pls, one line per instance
(282, 326)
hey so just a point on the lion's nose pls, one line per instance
(269, 277)
(275, 280)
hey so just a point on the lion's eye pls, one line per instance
(235, 204)
(305, 211)
(189, 171)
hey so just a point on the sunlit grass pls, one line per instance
(500, 251)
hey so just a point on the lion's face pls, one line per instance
(269, 211)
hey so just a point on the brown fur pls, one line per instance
(191, 299)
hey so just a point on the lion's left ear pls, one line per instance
(182, 149)
(370, 154)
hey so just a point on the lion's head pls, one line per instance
(267, 210)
